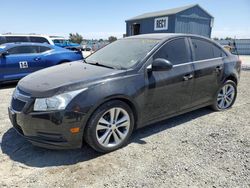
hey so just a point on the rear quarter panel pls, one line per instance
(232, 67)
(57, 57)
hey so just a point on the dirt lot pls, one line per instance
(198, 149)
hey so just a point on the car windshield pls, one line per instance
(2, 47)
(123, 54)
(61, 41)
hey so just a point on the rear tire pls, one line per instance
(225, 97)
(110, 126)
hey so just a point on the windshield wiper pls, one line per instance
(100, 65)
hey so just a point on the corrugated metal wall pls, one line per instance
(194, 21)
(147, 26)
(243, 45)
(192, 26)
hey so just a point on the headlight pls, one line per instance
(57, 102)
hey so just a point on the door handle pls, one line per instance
(37, 59)
(187, 77)
(218, 68)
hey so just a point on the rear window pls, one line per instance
(39, 40)
(2, 40)
(206, 50)
(24, 50)
(11, 39)
(43, 49)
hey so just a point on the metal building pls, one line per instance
(242, 45)
(189, 19)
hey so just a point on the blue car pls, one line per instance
(65, 43)
(20, 59)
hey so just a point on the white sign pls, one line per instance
(161, 23)
(23, 65)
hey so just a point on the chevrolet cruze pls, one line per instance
(126, 85)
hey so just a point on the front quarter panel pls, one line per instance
(60, 57)
(129, 88)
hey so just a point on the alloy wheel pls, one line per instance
(113, 127)
(226, 96)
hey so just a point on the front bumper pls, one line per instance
(49, 130)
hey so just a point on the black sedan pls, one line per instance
(126, 85)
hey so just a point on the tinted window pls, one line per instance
(43, 49)
(2, 40)
(87, 49)
(39, 40)
(175, 51)
(218, 52)
(206, 50)
(10, 39)
(23, 50)
(60, 41)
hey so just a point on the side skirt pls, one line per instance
(172, 115)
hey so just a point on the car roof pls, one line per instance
(163, 36)
(24, 35)
(33, 35)
(26, 43)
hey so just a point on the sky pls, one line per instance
(95, 19)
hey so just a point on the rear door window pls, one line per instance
(43, 49)
(11, 39)
(206, 50)
(174, 51)
(39, 40)
(24, 50)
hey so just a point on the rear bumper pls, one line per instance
(49, 130)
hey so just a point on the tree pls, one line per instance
(112, 39)
(228, 38)
(216, 38)
(76, 38)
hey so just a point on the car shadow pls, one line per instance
(8, 85)
(20, 150)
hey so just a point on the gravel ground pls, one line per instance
(197, 149)
(245, 61)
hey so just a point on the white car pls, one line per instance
(86, 51)
(35, 38)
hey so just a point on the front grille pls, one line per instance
(17, 105)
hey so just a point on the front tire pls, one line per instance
(110, 126)
(225, 97)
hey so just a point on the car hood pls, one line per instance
(65, 77)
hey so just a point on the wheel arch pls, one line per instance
(122, 98)
(232, 78)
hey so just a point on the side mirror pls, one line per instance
(160, 64)
(3, 54)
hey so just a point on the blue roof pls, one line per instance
(10, 45)
(25, 43)
(166, 12)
